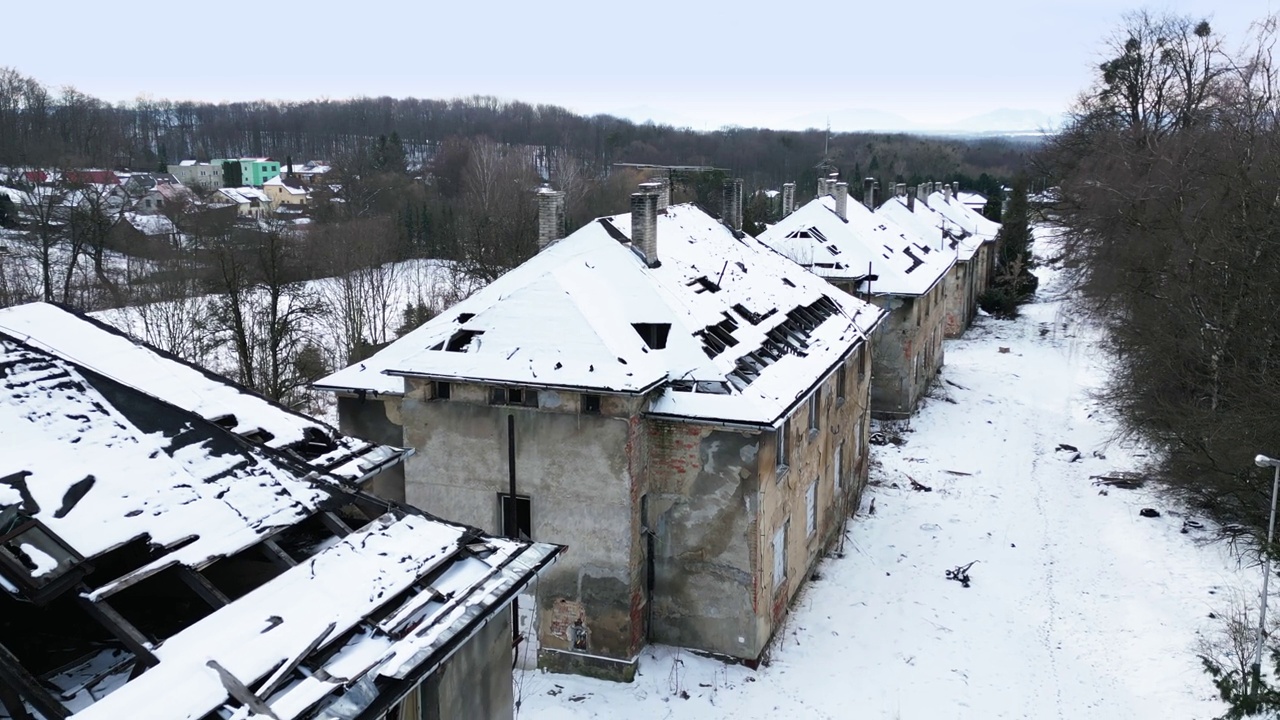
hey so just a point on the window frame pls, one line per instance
(527, 501)
(782, 448)
(780, 555)
(811, 509)
(815, 410)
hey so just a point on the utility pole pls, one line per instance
(1264, 461)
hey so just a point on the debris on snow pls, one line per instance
(960, 574)
(919, 487)
(1149, 512)
(1122, 479)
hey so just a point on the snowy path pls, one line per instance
(1079, 608)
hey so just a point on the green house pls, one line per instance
(254, 171)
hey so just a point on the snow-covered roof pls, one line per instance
(972, 222)
(972, 200)
(926, 222)
(863, 244)
(151, 225)
(280, 182)
(371, 593)
(244, 195)
(744, 332)
(189, 163)
(105, 350)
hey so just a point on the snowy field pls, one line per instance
(1079, 607)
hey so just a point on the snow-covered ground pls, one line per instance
(1079, 607)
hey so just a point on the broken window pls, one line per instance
(524, 516)
(780, 557)
(441, 390)
(653, 334)
(842, 379)
(591, 404)
(783, 446)
(513, 396)
(815, 409)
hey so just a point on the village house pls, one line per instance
(966, 279)
(283, 191)
(248, 201)
(681, 406)
(253, 171)
(971, 224)
(206, 176)
(173, 546)
(868, 255)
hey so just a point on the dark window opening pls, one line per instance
(461, 340)
(258, 436)
(442, 390)
(591, 404)
(513, 396)
(162, 605)
(842, 378)
(46, 638)
(783, 445)
(524, 515)
(653, 334)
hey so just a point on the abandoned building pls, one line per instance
(106, 350)
(967, 279)
(970, 224)
(157, 563)
(868, 255)
(687, 412)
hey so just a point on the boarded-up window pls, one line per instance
(811, 509)
(780, 557)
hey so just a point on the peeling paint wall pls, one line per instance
(577, 470)
(907, 351)
(842, 429)
(703, 506)
(962, 296)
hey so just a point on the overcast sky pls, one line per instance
(702, 64)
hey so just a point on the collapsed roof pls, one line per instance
(105, 350)
(729, 330)
(957, 212)
(924, 221)
(885, 258)
(155, 565)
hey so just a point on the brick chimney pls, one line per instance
(869, 193)
(788, 198)
(911, 198)
(550, 216)
(731, 208)
(842, 200)
(644, 224)
(900, 190)
(822, 187)
(664, 191)
(923, 192)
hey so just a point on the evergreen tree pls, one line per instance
(231, 174)
(1012, 283)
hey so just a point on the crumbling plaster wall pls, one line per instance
(907, 351)
(577, 469)
(843, 423)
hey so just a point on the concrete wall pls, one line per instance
(907, 351)
(577, 469)
(376, 420)
(703, 506)
(842, 424)
(475, 683)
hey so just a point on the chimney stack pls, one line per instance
(664, 191)
(842, 200)
(946, 193)
(900, 190)
(911, 198)
(731, 208)
(788, 198)
(550, 216)
(822, 187)
(869, 193)
(644, 224)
